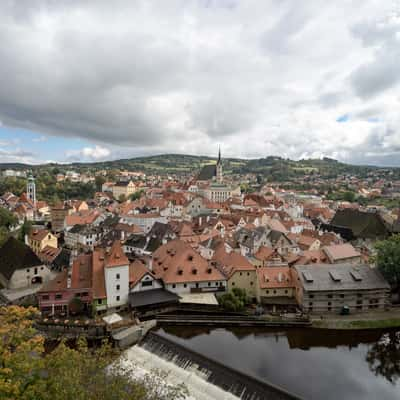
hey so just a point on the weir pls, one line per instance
(236, 383)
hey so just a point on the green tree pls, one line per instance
(7, 218)
(28, 373)
(99, 180)
(234, 301)
(25, 230)
(122, 198)
(388, 260)
(349, 196)
(137, 195)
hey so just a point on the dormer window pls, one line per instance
(180, 271)
(209, 270)
(190, 258)
(194, 271)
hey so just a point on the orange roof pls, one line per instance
(177, 262)
(116, 256)
(137, 270)
(264, 253)
(275, 277)
(99, 285)
(38, 234)
(231, 262)
(82, 272)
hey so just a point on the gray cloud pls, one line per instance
(141, 77)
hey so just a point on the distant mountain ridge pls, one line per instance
(186, 164)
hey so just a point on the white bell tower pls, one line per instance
(31, 189)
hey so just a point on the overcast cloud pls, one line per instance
(258, 77)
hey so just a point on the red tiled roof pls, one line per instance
(116, 256)
(177, 262)
(275, 277)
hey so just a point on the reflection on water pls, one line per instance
(315, 364)
(384, 357)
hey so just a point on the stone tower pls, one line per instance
(31, 189)
(219, 167)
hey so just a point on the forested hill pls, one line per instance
(187, 164)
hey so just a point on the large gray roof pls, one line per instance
(323, 275)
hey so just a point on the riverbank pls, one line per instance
(370, 320)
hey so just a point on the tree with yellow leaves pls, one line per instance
(78, 373)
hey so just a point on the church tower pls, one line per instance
(31, 189)
(219, 167)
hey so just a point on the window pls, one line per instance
(28, 270)
(42, 268)
(329, 308)
(267, 291)
(118, 287)
(329, 303)
(248, 274)
(36, 270)
(197, 285)
(117, 298)
(251, 283)
(173, 286)
(45, 297)
(147, 283)
(58, 296)
(241, 274)
(359, 301)
(359, 294)
(209, 283)
(329, 296)
(99, 301)
(286, 292)
(311, 296)
(233, 283)
(184, 285)
(274, 291)
(117, 276)
(342, 296)
(310, 303)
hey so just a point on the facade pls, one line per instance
(183, 270)
(58, 295)
(123, 189)
(20, 267)
(275, 286)
(58, 214)
(144, 221)
(38, 239)
(116, 274)
(328, 288)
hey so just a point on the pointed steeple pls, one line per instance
(219, 155)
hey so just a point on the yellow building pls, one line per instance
(123, 189)
(38, 239)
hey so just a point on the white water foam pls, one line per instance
(140, 362)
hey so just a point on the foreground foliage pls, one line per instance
(80, 373)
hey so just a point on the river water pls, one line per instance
(310, 363)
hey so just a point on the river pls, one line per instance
(312, 364)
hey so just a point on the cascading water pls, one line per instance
(204, 378)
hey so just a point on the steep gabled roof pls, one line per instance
(116, 256)
(15, 255)
(207, 173)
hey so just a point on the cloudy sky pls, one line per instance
(94, 80)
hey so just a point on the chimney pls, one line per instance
(280, 277)
(122, 235)
(200, 221)
(26, 239)
(150, 266)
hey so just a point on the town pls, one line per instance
(144, 246)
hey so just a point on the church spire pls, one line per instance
(219, 155)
